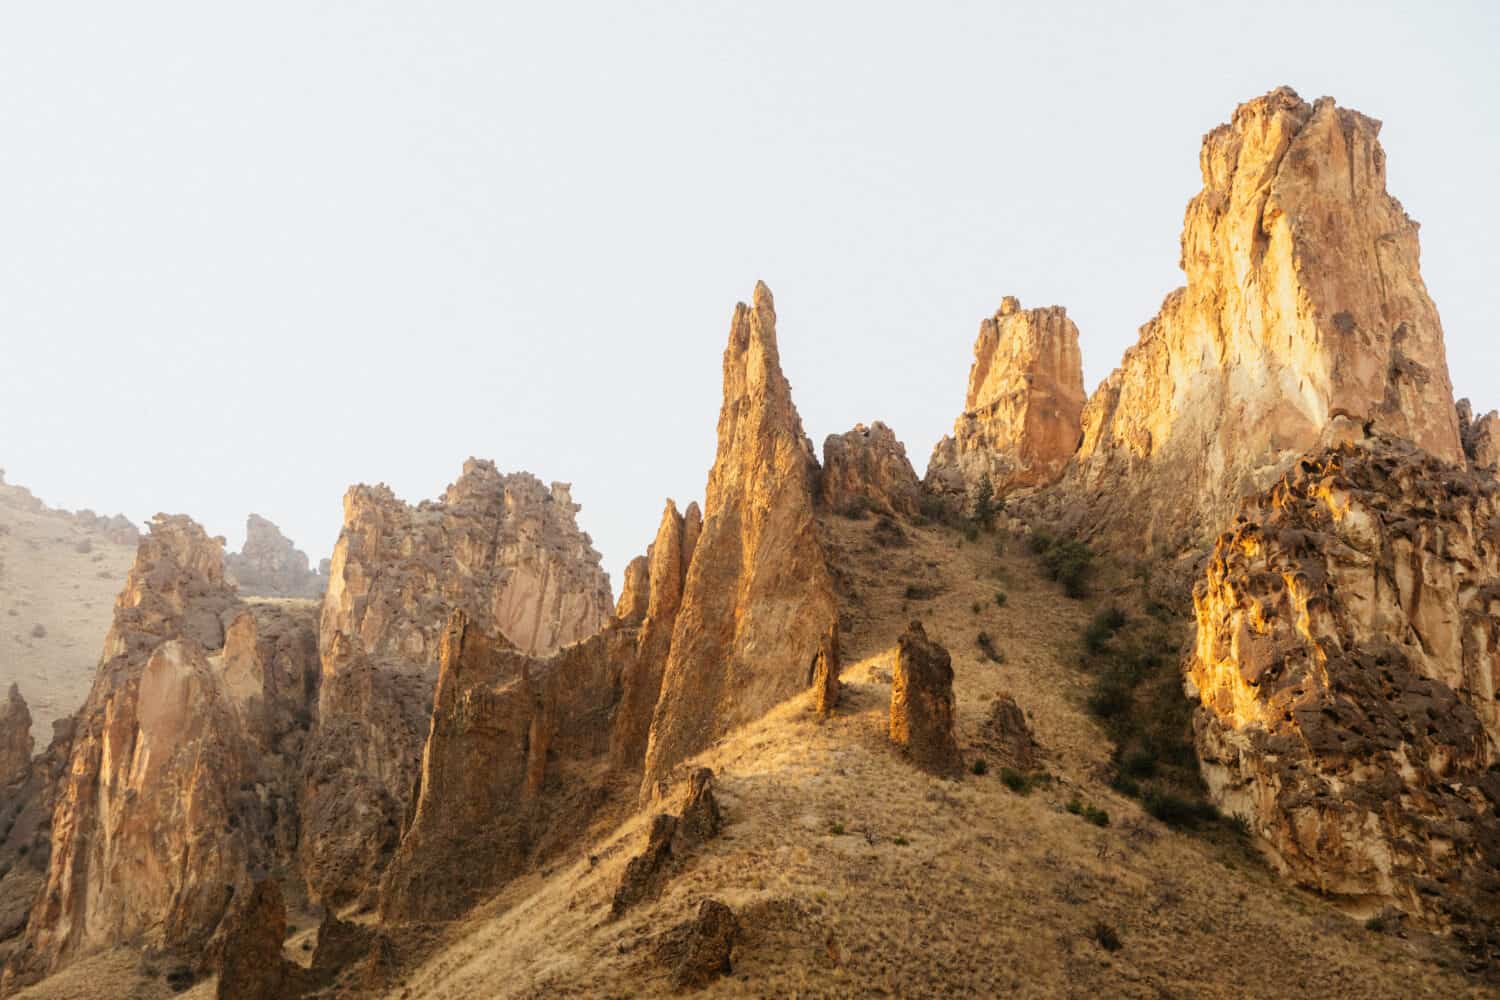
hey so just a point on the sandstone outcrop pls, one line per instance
(1480, 437)
(867, 469)
(825, 675)
(1304, 301)
(667, 561)
(671, 840)
(1008, 735)
(503, 549)
(1020, 423)
(922, 716)
(15, 739)
(700, 950)
(1346, 664)
(253, 967)
(511, 765)
(269, 565)
(180, 777)
(758, 597)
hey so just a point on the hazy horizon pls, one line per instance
(248, 258)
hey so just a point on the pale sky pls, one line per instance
(251, 254)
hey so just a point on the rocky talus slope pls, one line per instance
(269, 565)
(1020, 422)
(59, 573)
(1304, 301)
(757, 599)
(1346, 665)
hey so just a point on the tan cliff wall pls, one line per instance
(1346, 663)
(1020, 423)
(502, 548)
(1304, 300)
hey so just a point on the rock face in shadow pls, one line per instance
(922, 716)
(514, 765)
(270, 565)
(758, 597)
(700, 950)
(670, 842)
(1346, 663)
(1304, 301)
(503, 549)
(867, 469)
(15, 739)
(1480, 437)
(1020, 423)
(825, 675)
(253, 967)
(181, 771)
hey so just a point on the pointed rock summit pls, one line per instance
(867, 469)
(758, 598)
(15, 739)
(1020, 423)
(1304, 301)
(270, 565)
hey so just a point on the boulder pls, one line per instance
(922, 716)
(700, 950)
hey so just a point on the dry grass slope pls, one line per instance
(854, 874)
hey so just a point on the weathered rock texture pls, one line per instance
(15, 739)
(667, 561)
(270, 565)
(513, 765)
(758, 597)
(1480, 437)
(670, 842)
(1008, 735)
(1304, 300)
(181, 771)
(1020, 423)
(867, 469)
(922, 715)
(1346, 662)
(507, 552)
(253, 967)
(698, 951)
(825, 674)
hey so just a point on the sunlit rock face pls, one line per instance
(1346, 662)
(182, 764)
(270, 565)
(1020, 423)
(505, 550)
(1304, 300)
(758, 598)
(867, 469)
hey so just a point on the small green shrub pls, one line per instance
(1179, 811)
(1000, 598)
(900, 841)
(917, 592)
(1096, 816)
(1106, 937)
(837, 829)
(979, 766)
(1066, 561)
(987, 646)
(1015, 780)
(1102, 628)
(1075, 806)
(977, 607)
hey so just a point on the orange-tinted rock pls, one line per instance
(1346, 664)
(635, 591)
(507, 772)
(671, 840)
(1020, 423)
(507, 552)
(758, 598)
(269, 565)
(667, 563)
(867, 469)
(922, 715)
(700, 950)
(1304, 301)
(15, 739)
(825, 675)
(181, 768)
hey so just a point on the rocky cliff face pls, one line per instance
(867, 469)
(758, 598)
(1480, 437)
(1304, 300)
(15, 739)
(513, 768)
(270, 565)
(180, 774)
(503, 549)
(1346, 663)
(1020, 423)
